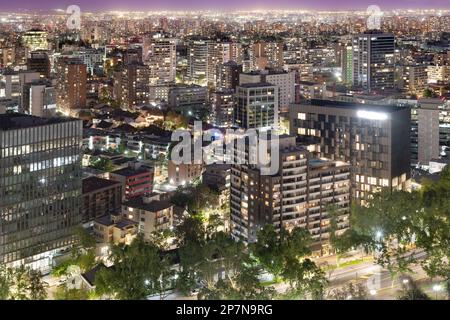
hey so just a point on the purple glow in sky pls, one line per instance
(144, 5)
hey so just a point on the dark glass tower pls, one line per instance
(40, 187)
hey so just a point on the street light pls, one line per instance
(405, 281)
(373, 292)
(437, 288)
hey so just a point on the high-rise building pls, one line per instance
(71, 85)
(373, 60)
(132, 85)
(298, 195)
(222, 108)
(267, 55)
(39, 62)
(284, 80)
(227, 75)
(12, 82)
(7, 56)
(256, 106)
(347, 63)
(205, 55)
(375, 140)
(93, 58)
(39, 98)
(35, 39)
(161, 57)
(40, 187)
(201, 61)
(426, 130)
(414, 78)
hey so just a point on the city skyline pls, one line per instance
(179, 5)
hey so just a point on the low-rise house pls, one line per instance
(150, 212)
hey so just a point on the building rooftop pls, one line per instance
(129, 172)
(353, 105)
(153, 206)
(105, 220)
(14, 121)
(94, 183)
(125, 223)
(256, 85)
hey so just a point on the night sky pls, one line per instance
(144, 5)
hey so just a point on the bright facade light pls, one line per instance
(371, 115)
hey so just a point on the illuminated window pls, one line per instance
(302, 116)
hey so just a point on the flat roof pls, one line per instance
(353, 105)
(94, 183)
(14, 121)
(256, 85)
(129, 172)
(153, 206)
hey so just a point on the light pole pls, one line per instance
(437, 288)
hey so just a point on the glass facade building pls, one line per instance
(40, 187)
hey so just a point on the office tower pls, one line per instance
(375, 140)
(267, 55)
(39, 62)
(373, 61)
(132, 85)
(285, 81)
(35, 39)
(161, 57)
(297, 195)
(40, 187)
(227, 75)
(39, 98)
(256, 106)
(71, 85)
(222, 108)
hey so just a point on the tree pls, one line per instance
(64, 293)
(5, 282)
(102, 164)
(87, 240)
(349, 292)
(138, 272)
(21, 283)
(411, 291)
(285, 254)
(394, 222)
(383, 227)
(428, 93)
(36, 286)
(244, 285)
